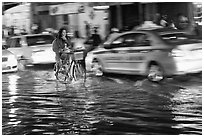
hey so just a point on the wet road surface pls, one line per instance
(35, 104)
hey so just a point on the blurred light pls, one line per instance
(198, 4)
(101, 7)
(45, 32)
(12, 84)
(177, 53)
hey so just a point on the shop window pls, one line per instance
(65, 18)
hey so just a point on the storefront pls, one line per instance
(132, 14)
(18, 18)
(74, 16)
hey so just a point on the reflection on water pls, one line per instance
(187, 106)
(12, 80)
(34, 105)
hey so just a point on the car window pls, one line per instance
(17, 44)
(126, 40)
(14, 42)
(132, 40)
(175, 38)
(129, 40)
(8, 42)
(117, 43)
(39, 40)
(119, 40)
(141, 40)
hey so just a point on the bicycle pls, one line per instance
(71, 67)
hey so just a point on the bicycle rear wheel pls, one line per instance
(79, 72)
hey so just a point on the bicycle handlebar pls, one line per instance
(69, 51)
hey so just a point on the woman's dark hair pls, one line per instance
(59, 35)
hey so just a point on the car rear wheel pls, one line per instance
(97, 68)
(155, 73)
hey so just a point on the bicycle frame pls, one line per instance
(73, 66)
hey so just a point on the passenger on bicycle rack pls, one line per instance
(59, 45)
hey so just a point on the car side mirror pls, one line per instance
(129, 42)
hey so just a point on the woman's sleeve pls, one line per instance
(55, 46)
(68, 41)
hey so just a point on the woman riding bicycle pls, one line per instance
(60, 44)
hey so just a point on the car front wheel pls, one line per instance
(155, 73)
(97, 68)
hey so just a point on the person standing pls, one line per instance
(87, 29)
(78, 42)
(96, 39)
(163, 21)
(34, 28)
(157, 19)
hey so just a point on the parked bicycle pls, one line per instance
(71, 67)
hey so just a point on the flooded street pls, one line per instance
(34, 104)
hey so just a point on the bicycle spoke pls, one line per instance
(80, 73)
(71, 69)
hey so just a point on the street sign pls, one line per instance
(67, 8)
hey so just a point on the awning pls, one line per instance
(108, 3)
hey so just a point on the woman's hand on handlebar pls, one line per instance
(80, 48)
(61, 50)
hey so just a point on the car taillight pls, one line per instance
(177, 53)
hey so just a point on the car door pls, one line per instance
(123, 51)
(117, 58)
(112, 58)
(138, 50)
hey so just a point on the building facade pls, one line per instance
(18, 17)
(121, 15)
(74, 15)
(128, 15)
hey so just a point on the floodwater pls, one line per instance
(35, 104)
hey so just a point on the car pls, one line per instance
(9, 61)
(34, 48)
(155, 53)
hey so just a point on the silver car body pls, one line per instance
(35, 48)
(9, 61)
(175, 58)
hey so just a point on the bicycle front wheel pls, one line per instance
(62, 74)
